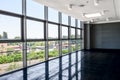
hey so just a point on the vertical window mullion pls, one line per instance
(76, 26)
(69, 34)
(69, 27)
(76, 34)
(76, 47)
(24, 35)
(24, 39)
(60, 34)
(46, 42)
(69, 47)
(60, 44)
(82, 35)
(46, 32)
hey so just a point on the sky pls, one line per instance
(12, 25)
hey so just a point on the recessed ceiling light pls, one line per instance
(91, 15)
(96, 2)
(92, 20)
(82, 5)
(107, 19)
(70, 7)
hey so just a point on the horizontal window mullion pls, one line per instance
(53, 39)
(35, 19)
(6, 41)
(50, 22)
(79, 28)
(10, 14)
(11, 72)
(65, 25)
(35, 40)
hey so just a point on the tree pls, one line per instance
(17, 37)
(65, 36)
(5, 36)
(72, 36)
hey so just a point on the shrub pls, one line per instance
(53, 53)
(64, 51)
(35, 55)
(10, 58)
(13, 66)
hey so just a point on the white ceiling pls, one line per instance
(112, 7)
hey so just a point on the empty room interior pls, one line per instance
(59, 39)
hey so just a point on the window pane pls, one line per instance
(64, 32)
(79, 64)
(78, 33)
(53, 49)
(54, 69)
(73, 44)
(35, 52)
(79, 25)
(13, 76)
(74, 78)
(72, 33)
(35, 30)
(72, 21)
(52, 31)
(9, 27)
(35, 9)
(81, 34)
(64, 19)
(79, 44)
(36, 72)
(73, 64)
(64, 47)
(52, 15)
(12, 6)
(73, 58)
(10, 57)
(65, 67)
(73, 70)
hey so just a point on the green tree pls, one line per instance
(72, 36)
(17, 37)
(65, 36)
(42, 44)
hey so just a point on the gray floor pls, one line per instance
(91, 65)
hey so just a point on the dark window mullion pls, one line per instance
(69, 47)
(46, 42)
(76, 47)
(60, 44)
(24, 39)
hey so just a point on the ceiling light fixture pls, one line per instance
(91, 15)
(96, 2)
(70, 6)
(92, 20)
(107, 19)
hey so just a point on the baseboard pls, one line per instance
(102, 50)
